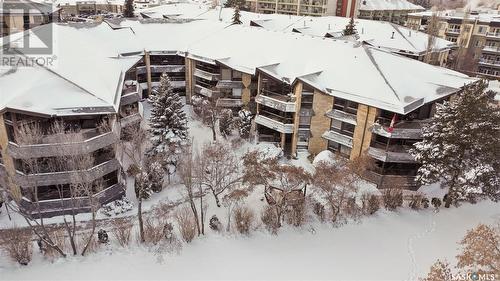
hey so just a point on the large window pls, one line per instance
(342, 127)
(345, 105)
(339, 148)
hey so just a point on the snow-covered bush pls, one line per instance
(186, 224)
(393, 198)
(117, 207)
(415, 202)
(18, 246)
(318, 210)
(269, 218)
(296, 214)
(244, 123)
(226, 122)
(243, 219)
(352, 209)
(436, 202)
(122, 231)
(215, 224)
(370, 203)
(153, 231)
(425, 202)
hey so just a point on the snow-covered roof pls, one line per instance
(86, 65)
(375, 33)
(393, 5)
(88, 59)
(380, 34)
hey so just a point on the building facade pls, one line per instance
(476, 34)
(88, 8)
(294, 7)
(17, 16)
(300, 111)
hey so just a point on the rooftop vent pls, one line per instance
(392, 37)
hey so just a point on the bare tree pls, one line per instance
(220, 169)
(231, 201)
(135, 150)
(481, 250)
(187, 172)
(335, 184)
(433, 32)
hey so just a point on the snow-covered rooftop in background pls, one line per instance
(88, 59)
(383, 5)
(375, 33)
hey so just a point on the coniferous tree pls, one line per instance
(350, 28)
(168, 124)
(128, 10)
(237, 16)
(460, 146)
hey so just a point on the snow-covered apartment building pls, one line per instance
(476, 33)
(307, 93)
(395, 11)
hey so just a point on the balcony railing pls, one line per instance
(493, 34)
(178, 84)
(55, 207)
(489, 62)
(402, 130)
(227, 102)
(229, 84)
(205, 91)
(131, 119)
(88, 142)
(274, 124)
(454, 31)
(389, 181)
(282, 103)
(338, 137)
(493, 49)
(168, 68)
(67, 177)
(206, 75)
(398, 154)
(342, 116)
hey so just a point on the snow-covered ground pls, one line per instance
(387, 246)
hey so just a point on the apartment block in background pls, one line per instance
(477, 35)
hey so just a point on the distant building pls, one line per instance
(71, 8)
(476, 33)
(395, 11)
(20, 15)
(294, 7)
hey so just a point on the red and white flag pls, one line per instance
(393, 122)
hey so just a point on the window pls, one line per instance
(482, 29)
(339, 148)
(342, 127)
(345, 105)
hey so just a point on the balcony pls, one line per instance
(402, 130)
(491, 49)
(282, 103)
(67, 177)
(57, 207)
(228, 102)
(389, 181)
(396, 154)
(489, 62)
(57, 145)
(338, 138)
(453, 31)
(494, 35)
(131, 119)
(168, 68)
(229, 84)
(178, 84)
(206, 75)
(198, 89)
(274, 124)
(342, 116)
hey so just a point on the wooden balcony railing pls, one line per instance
(67, 177)
(274, 124)
(56, 207)
(282, 103)
(88, 144)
